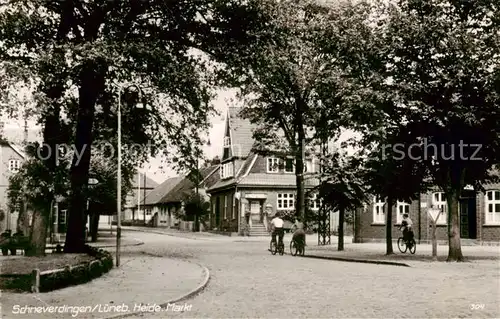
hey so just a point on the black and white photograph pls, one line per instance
(249, 159)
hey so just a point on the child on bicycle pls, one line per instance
(277, 227)
(406, 225)
(299, 235)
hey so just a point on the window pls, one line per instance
(14, 166)
(285, 201)
(439, 201)
(492, 207)
(402, 208)
(289, 165)
(227, 170)
(62, 217)
(314, 202)
(272, 165)
(227, 141)
(378, 210)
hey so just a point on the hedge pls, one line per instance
(60, 278)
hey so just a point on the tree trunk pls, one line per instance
(23, 220)
(455, 249)
(38, 234)
(91, 84)
(299, 176)
(341, 229)
(94, 226)
(357, 224)
(388, 227)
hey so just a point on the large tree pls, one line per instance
(292, 86)
(444, 69)
(100, 43)
(342, 188)
(391, 177)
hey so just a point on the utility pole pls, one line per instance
(144, 197)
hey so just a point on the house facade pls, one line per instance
(141, 187)
(253, 187)
(479, 217)
(11, 159)
(154, 206)
(173, 201)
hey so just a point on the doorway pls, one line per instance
(468, 222)
(256, 211)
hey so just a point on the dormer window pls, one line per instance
(226, 170)
(272, 165)
(227, 141)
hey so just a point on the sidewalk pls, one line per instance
(140, 279)
(423, 255)
(311, 239)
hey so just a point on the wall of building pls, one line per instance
(7, 154)
(370, 231)
(376, 231)
(486, 232)
(228, 213)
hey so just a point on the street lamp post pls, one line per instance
(119, 177)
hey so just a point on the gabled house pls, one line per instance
(142, 185)
(253, 187)
(153, 204)
(11, 159)
(172, 202)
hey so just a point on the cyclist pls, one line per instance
(406, 224)
(299, 235)
(277, 226)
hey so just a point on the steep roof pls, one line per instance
(238, 174)
(161, 190)
(17, 148)
(184, 187)
(150, 184)
(241, 132)
(278, 180)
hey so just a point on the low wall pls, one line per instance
(43, 281)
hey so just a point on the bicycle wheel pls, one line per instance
(293, 248)
(282, 249)
(413, 246)
(273, 248)
(402, 245)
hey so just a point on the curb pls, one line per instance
(139, 243)
(354, 260)
(166, 234)
(190, 294)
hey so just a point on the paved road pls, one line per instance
(248, 282)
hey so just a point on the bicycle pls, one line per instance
(280, 248)
(404, 245)
(297, 247)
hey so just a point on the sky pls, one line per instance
(154, 169)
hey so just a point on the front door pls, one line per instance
(468, 217)
(255, 212)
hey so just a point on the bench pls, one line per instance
(13, 243)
